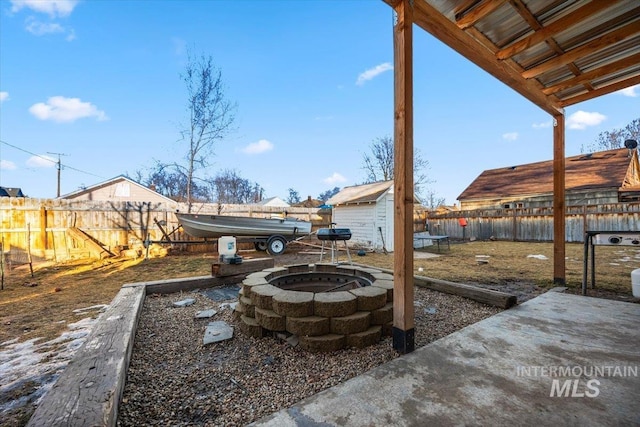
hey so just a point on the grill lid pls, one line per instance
(334, 234)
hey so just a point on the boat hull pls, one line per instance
(212, 226)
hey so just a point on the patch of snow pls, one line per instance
(483, 256)
(613, 263)
(101, 307)
(537, 256)
(39, 364)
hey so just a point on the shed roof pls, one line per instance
(602, 170)
(365, 193)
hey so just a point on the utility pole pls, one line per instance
(59, 168)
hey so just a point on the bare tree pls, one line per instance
(170, 180)
(609, 140)
(229, 187)
(379, 164)
(294, 197)
(328, 194)
(211, 115)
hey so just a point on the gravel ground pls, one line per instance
(174, 380)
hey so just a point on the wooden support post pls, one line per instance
(43, 229)
(559, 226)
(403, 315)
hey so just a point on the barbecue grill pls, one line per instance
(334, 235)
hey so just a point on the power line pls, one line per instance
(52, 161)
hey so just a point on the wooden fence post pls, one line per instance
(43, 228)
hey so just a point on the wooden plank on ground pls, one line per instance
(485, 296)
(220, 269)
(89, 390)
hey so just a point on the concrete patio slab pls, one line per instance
(557, 359)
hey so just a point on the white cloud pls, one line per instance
(258, 147)
(334, 179)
(38, 28)
(510, 136)
(373, 72)
(41, 161)
(4, 96)
(7, 165)
(632, 91)
(542, 125)
(61, 109)
(52, 8)
(581, 120)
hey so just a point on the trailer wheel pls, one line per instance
(276, 245)
(260, 246)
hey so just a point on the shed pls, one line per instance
(367, 210)
(610, 176)
(121, 189)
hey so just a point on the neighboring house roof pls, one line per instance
(111, 182)
(274, 201)
(610, 169)
(309, 203)
(11, 192)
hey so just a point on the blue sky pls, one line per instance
(98, 81)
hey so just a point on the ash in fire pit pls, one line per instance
(327, 306)
(320, 282)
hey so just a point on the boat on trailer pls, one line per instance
(267, 234)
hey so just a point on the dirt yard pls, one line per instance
(44, 318)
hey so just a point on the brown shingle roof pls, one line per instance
(604, 169)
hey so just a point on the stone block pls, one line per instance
(366, 338)
(308, 326)
(323, 343)
(351, 324)
(269, 320)
(334, 304)
(292, 303)
(370, 297)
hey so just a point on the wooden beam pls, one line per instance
(220, 269)
(432, 21)
(559, 240)
(477, 12)
(594, 74)
(553, 29)
(604, 90)
(533, 22)
(597, 44)
(403, 314)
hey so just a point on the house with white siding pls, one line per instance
(367, 210)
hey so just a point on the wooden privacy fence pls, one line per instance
(535, 224)
(60, 229)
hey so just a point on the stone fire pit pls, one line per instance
(327, 306)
